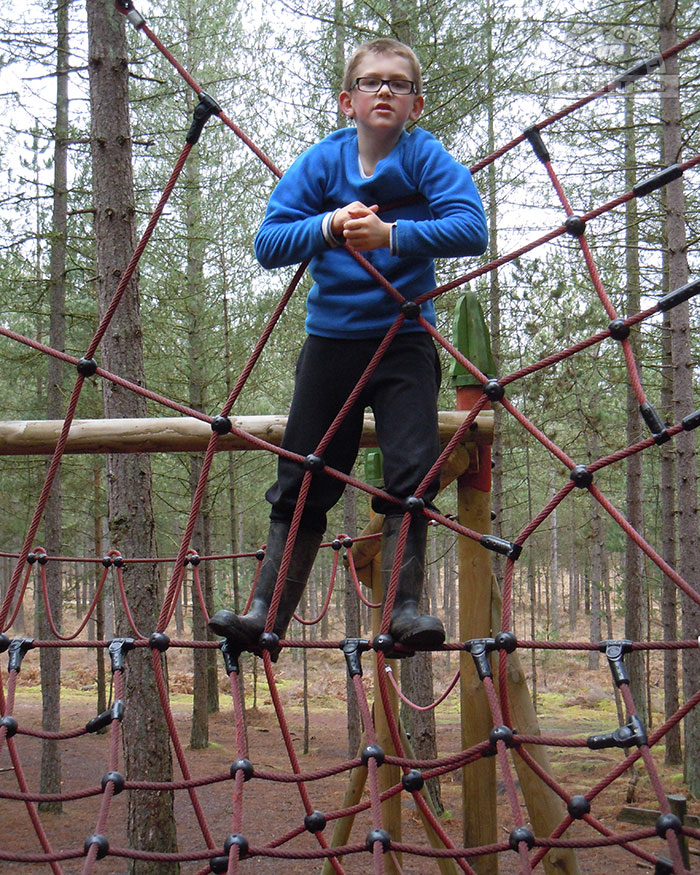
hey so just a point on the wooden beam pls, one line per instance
(183, 434)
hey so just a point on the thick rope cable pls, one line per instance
(529, 855)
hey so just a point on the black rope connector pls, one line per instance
(538, 147)
(237, 839)
(353, 648)
(623, 736)
(385, 643)
(159, 641)
(242, 765)
(205, 109)
(521, 834)
(615, 653)
(4, 643)
(17, 651)
(493, 390)
(315, 822)
(658, 180)
(269, 641)
(86, 367)
(506, 641)
(480, 649)
(220, 864)
(118, 648)
(581, 477)
(412, 781)
(372, 752)
(691, 421)
(103, 720)
(42, 558)
(9, 723)
(230, 655)
(118, 561)
(502, 546)
(653, 420)
(100, 841)
(665, 822)
(107, 561)
(378, 835)
(682, 293)
(619, 329)
(314, 463)
(117, 780)
(31, 558)
(639, 70)
(575, 226)
(260, 554)
(410, 309)
(221, 424)
(501, 733)
(578, 807)
(664, 866)
(413, 505)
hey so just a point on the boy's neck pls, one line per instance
(372, 149)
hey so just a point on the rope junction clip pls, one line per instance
(17, 651)
(126, 7)
(206, 108)
(118, 648)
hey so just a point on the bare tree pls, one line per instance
(150, 821)
(50, 658)
(686, 463)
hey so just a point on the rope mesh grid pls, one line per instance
(530, 849)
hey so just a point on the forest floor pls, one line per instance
(573, 701)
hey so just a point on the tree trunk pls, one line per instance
(686, 465)
(50, 657)
(150, 821)
(199, 731)
(554, 625)
(669, 593)
(636, 616)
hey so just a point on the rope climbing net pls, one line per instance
(249, 840)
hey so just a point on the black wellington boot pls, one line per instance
(244, 630)
(409, 627)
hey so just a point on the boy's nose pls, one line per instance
(384, 85)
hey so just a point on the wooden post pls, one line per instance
(480, 825)
(367, 560)
(480, 615)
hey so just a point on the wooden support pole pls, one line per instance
(544, 806)
(480, 617)
(180, 434)
(480, 823)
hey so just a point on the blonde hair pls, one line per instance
(384, 46)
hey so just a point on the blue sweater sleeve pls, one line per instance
(458, 223)
(291, 231)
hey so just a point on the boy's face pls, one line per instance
(382, 113)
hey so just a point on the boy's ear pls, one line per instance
(417, 109)
(345, 101)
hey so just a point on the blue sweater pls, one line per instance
(445, 218)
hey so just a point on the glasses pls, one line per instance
(373, 84)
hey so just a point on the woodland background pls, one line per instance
(491, 70)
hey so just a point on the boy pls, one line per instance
(330, 198)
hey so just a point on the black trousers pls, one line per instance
(402, 393)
